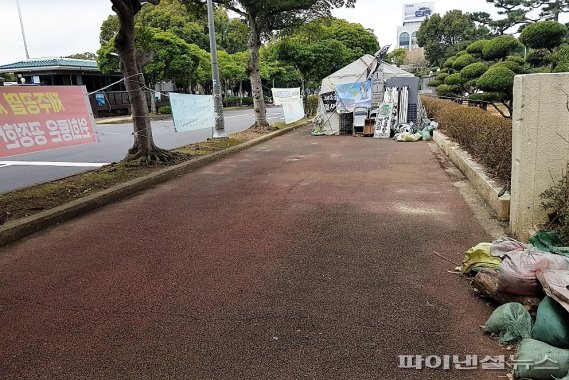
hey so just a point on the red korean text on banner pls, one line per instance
(34, 119)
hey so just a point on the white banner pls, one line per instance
(293, 110)
(192, 112)
(417, 12)
(282, 94)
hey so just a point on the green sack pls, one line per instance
(426, 135)
(511, 322)
(548, 241)
(552, 324)
(479, 257)
(538, 354)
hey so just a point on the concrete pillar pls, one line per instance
(540, 150)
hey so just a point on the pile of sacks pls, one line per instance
(531, 271)
(412, 133)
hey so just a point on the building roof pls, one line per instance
(50, 64)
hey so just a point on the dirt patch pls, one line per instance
(25, 202)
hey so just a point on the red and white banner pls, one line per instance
(34, 119)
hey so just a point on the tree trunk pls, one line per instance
(143, 150)
(255, 76)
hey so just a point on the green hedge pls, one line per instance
(165, 110)
(487, 137)
(235, 101)
(311, 105)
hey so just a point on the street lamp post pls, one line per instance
(22, 26)
(219, 130)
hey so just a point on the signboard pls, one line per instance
(293, 110)
(282, 94)
(329, 99)
(417, 12)
(192, 112)
(34, 119)
(352, 95)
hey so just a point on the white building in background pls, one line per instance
(413, 17)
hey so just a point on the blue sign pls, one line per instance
(352, 95)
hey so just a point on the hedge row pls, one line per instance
(487, 137)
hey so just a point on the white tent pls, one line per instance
(356, 71)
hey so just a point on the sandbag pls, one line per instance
(506, 245)
(552, 324)
(539, 354)
(518, 271)
(479, 257)
(511, 322)
(426, 135)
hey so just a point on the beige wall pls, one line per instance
(540, 151)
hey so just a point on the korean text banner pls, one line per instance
(282, 94)
(192, 112)
(34, 118)
(417, 12)
(352, 95)
(293, 110)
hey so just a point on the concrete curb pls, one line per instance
(18, 229)
(486, 187)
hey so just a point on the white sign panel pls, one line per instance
(417, 12)
(282, 94)
(192, 112)
(293, 110)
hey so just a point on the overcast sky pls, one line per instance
(64, 27)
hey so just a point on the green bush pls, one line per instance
(514, 66)
(514, 58)
(474, 70)
(462, 61)
(434, 83)
(498, 78)
(487, 137)
(538, 57)
(462, 52)
(543, 35)
(231, 101)
(447, 90)
(449, 62)
(454, 80)
(248, 101)
(441, 77)
(560, 59)
(477, 47)
(485, 96)
(500, 47)
(165, 110)
(311, 105)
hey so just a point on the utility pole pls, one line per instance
(219, 130)
(22, 26)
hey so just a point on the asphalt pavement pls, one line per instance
(114, 141)
(301, 258)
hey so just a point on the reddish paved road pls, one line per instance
(300, 258)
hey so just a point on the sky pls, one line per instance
(64, 27)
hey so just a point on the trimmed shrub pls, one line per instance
(454, 80)
(442, 76)
(474, 70)
(462, 52)
(165, 110)
(485, 96)
(487, 137)
(231, 101)
(515, 67)
(538, 57)
(462, 61)
(477, 47)
(560, 59)
(449, 62)
(543, 35)
(434, 83)
(514, 58)
(311, 105)
(498, 78)
(500, 47)
(447, 90)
